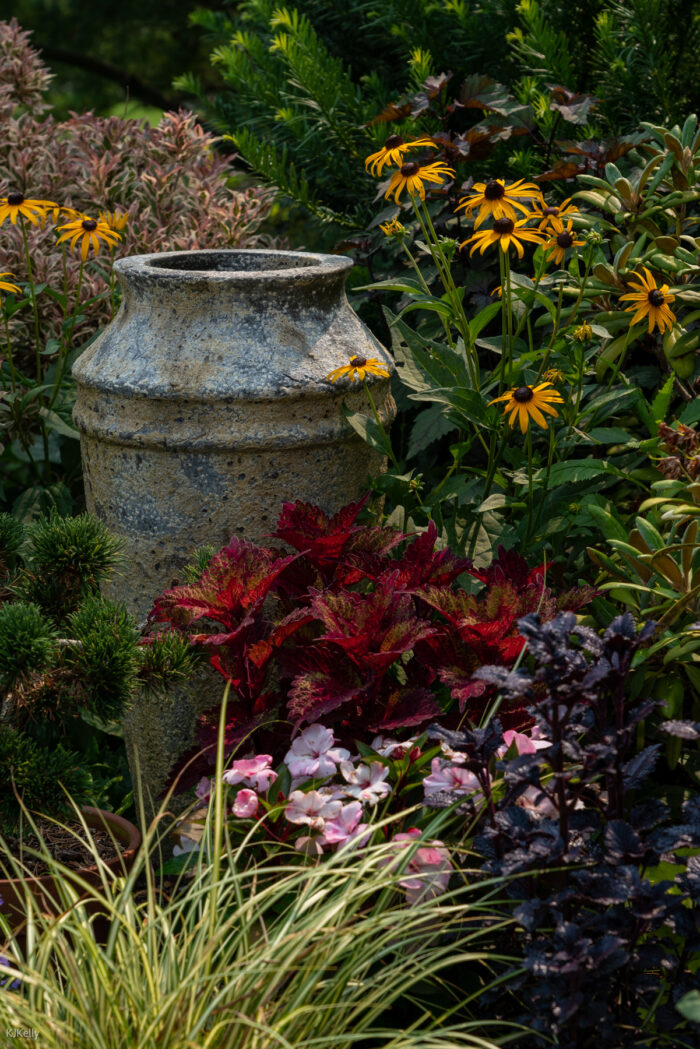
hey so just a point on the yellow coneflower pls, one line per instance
(16, 204)
(584, 333)
(358, 368)
(412, 175)
(116, 220)
(56, 212)
(497, 199)
(650, 301)
(528, 402)
(546, 213)
(90, 232)
(393, 152)
(504, 233)
(553, 375)
(560, 238)
(393, 229)
(5, 285)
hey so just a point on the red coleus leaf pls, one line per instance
(307, 528)
(422, 563)
(375, 628)
(326, 681)
(406, 707)
(237, 580)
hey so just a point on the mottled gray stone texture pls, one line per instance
(203, 407)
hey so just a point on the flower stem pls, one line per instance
(66, 341)
(32, 295)
(378, 421)
(10, 358)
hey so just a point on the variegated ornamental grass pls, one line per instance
(320, 954)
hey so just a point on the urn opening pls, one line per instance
(233, 261)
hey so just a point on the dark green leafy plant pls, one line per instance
(70, 661)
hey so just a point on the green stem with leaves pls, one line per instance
(66, 341)
(10, 358)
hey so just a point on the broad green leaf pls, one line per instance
(482, 318)
(689, 1006)
(574, 472)
(430, 425)
(367, 427)
(59, 425)
(660, 404)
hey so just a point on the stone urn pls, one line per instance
(205, 405)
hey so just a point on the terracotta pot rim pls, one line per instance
(217, 265)
(124, 831)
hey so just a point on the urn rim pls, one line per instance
(216, 265)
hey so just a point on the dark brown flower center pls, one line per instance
(358, 362)
(15, 199)
(565, 240)
(412, 168)
(523, 394)
(494, 190)
(550, 211)
(503, 226)
(393, 141)
(656, 297)
(89, 225)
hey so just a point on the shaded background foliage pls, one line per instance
(126, 45)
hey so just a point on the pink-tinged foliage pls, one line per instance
(351, 631)
(168, 179)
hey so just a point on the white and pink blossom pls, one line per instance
(204, 788)
(255, 772)
(428, 871)
(523, 744)
(246, 804)
(367, 783)
(313, 755)
(345, 826)
(453, 778)
(386, 747)
(312, 809)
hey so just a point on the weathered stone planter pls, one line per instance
(205, 404)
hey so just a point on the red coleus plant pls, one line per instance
(350, 630)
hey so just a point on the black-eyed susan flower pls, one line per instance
(116, 220)
(561, 238)
(6, 285)
(650, 301)
(412, 175)
(394, 229)
(393, 151)
(90, 232)
(497, 199)
(359, 368)
(504, 233)
(546, 213)
(553, 375)
(584, 333)
(528, 402)
(16, 204)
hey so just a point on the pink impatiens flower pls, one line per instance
(312, 808)
(246, 804)
(366, 782)
(312, 754)
(454, 778)
(523, 744)
(345, 826)
(255, 772)
(428, 871)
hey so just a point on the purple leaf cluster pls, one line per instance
(604, 874)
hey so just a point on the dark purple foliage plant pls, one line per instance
(602, 869)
